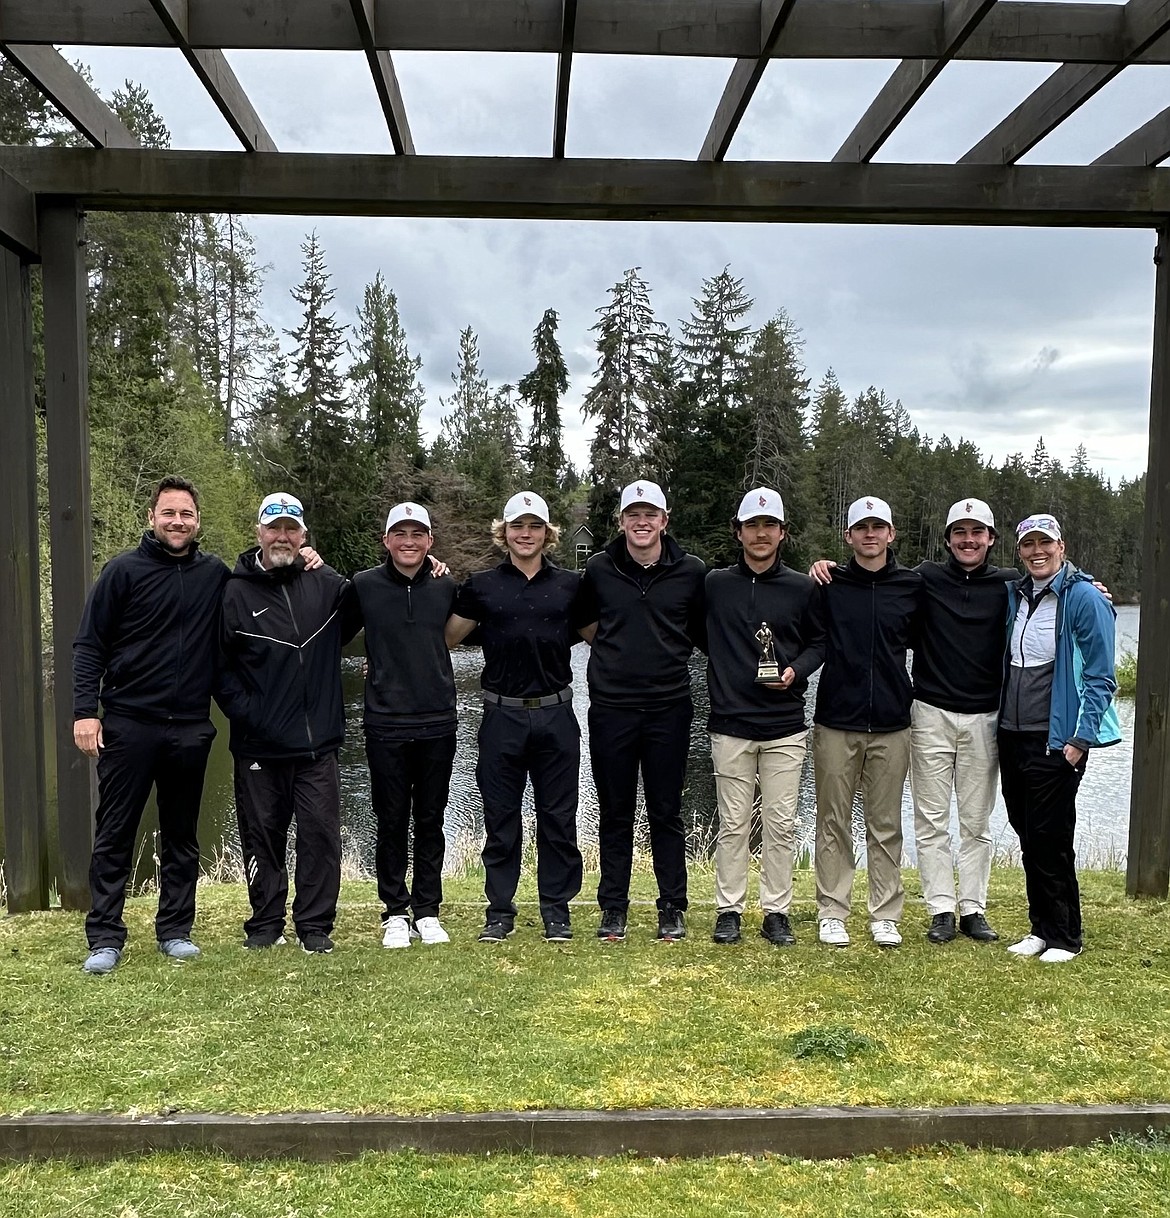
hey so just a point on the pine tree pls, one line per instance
(714, 348)
(541, 391)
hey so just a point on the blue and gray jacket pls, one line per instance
(1081, 709)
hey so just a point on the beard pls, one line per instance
(281, 557)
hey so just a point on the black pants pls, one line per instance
(409, 778)
(1040, 790)
(269, 796)
(620, 743)
(544, 744)
(172, 757)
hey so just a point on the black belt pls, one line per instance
(565, 695)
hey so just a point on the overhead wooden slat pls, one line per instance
(1020, 30)
(71, 93)
(594, 189)
(910, 80)
(564, 72)
(385, 78)
(741, 84)
(217, 77)
(1068, 88)
(1148, 145)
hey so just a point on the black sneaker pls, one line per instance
(726, 928)
(264, 938)
(942, 928)
(612, 925)
(672, 924)
(777, 929)
(557, 932)
(975, 926)
(316, 943)
(496, 931)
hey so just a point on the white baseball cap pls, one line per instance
(525, 503)
(760, 502)
(281, 507)
(643, 492)
(970, 509)
(414, 512)
(868, 507)
(1042, 522)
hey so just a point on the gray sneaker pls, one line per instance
(179, 949)
(102, 960)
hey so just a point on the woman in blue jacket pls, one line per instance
(1057, 704)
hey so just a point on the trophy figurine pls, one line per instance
(768, 670)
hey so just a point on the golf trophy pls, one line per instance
(768, 670)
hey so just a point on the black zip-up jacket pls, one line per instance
(871, 618)
(645, 632)
(280, 651)
(410, 687)
(148, 633)
(738, 601)
(958, 661)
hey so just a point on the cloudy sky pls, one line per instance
(998, 336)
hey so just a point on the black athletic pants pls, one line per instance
(620, 743)
(135, 756)
(544, 744)
(1040, 790)
(269, 796)
(409, 779)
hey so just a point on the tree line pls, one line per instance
(187, 375)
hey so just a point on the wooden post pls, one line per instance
(22, 738)
(1148, 868)
(70, 531)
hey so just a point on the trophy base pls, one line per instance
(767, 674)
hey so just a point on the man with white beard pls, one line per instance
(280, 686)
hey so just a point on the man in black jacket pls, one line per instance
(409, 722)
(758, 611)
(280, 686)
(642, 602)
(871, 612)
(524, 610)
(147, 642)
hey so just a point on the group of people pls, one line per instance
(1010, 675)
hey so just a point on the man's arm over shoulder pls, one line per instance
(812, 630)
(96, 635)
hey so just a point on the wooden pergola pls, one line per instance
(45, 192)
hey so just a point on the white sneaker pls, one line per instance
(397, 930)
(431, 931)
(832, 931)
(885, 933)
(1058, 955)
(1029, 945)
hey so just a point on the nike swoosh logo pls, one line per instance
(258, 612)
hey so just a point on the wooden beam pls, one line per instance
(910, 80)
(70, 531)
(1147, 871)
(217, 77)
(741, 84)
(22, 734)
(385, 78)
(18, 218)
(594, 189)
(1031, 31)
(564, 72)
(1148, 145)
(1068, 88)
(71, 93)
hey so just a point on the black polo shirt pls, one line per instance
(526, 627)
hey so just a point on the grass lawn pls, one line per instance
(525, 1025)
(1130, 1179)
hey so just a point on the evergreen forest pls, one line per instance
(187, 376)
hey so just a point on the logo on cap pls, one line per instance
(527, 501)
(970, 506)
(409, 511)
(869, 503)
(762, 501)
(640, 491)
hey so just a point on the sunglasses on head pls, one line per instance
(1036, 522)
(283, 509)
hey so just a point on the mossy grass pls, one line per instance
(531, 1025)
(952, 1182)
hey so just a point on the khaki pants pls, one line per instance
(738, 764)
(949, 751)
(875, 762)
